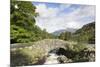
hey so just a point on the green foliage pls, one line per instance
(80, 52)
(23, 16)
(65, 36)
(23, 27)
(73, 49)
(85, 55)
(86, 33)
(78, 47)
(21, 21)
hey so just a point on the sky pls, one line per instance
(57, 16)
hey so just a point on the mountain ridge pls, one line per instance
(58, 32)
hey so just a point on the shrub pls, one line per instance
(25, 56)
(81, 53)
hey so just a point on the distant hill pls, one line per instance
(58, 32)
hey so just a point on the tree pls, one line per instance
(23, 24)
(22, 21)
(65, 36)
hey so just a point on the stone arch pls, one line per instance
(58, 51)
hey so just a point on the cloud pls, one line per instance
(55, 18)
(74, 25)
(46, 12)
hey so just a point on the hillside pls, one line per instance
(86, 33)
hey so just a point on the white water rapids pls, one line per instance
(52, 59)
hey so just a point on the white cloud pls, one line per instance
(46, 12)
(74, 25)
(63, 6)
(52, 19)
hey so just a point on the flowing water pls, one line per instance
(52, 59)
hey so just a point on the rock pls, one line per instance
(64, 59)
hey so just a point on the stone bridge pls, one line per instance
(50, 44)
(44, 45)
